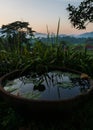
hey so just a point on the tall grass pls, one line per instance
(58, 27)
(40, 56)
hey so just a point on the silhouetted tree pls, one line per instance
(82, 15)
(17, 32)
(17, 27)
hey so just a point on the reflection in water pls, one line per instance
(53, 85)
(41, 87)
(83, 83)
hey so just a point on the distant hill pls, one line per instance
(72, 39)
(40, 35)
(44, 35)
(83, 35)
(86, 35)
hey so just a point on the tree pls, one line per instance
(16, 27)
(82, 15)
(18, 30)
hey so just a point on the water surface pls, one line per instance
(54, 85)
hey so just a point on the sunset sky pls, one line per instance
(40, 13)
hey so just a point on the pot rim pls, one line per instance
(18, 72)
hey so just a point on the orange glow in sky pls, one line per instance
(40, 13)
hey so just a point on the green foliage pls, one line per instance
(17, 27)
(9, 119)
(40, 56)
(15, 34)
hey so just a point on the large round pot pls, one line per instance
(32, 106)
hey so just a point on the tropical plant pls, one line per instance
(16, 27)
(17, 33)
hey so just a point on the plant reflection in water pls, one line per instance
(54, 85)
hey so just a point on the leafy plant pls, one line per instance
(82, 15)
